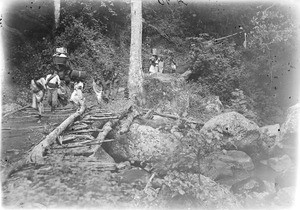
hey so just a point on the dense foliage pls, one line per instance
(97, 36)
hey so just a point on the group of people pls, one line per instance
(56, 91)
(157, 63)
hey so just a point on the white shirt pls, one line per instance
(41, 81)
(54, 80)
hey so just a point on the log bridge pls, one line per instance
(74, 134)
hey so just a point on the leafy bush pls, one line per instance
(218, 66)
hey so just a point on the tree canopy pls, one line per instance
(260, 59)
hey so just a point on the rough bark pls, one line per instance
(36, 155)
(126, 124)
(56, 12)
(106, 129)
(180, 118)
(135, 79)
(63, 139)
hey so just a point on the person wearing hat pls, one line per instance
(154, 62)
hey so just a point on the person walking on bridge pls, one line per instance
(38, 89)
(53, 83)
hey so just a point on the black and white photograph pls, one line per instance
(149, 104)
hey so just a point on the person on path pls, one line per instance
(52, 84)
(77, 96)
(160, 65)
(154, 62)
(38, 89)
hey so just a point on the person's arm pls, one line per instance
(58, 80)
(32, 85)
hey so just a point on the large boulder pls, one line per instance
(287, 139)
(291, 124)
(143, 143)
(280, 164)
(218, 165)
(230, 128)
(271, 131)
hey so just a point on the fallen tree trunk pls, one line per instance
(24, 107)
(106, 129)
(126, 124)
(180, 118)
(80, 126)
(19, 129)
(99, 118)
(63, 139)
(36, 155)
(82, 145)
(84, 131)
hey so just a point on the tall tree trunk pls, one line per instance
(56, 12)
(135, 79)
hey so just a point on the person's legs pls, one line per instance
(54, 99)
(39, 99)
(33, 105)
(40, 107)
(49, 97)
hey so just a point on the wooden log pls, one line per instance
(84, 131)
(83, 144)
(92, 141)
(99, 118)
(104, 114)
(149, 114)
(186, 74)
(180, 118)
(36, 155)
(107, 128)
(126, 124)
(79, 127)
(22, 117)
(21, 108)
(63, 139)
(88, 121)
(23, 128)
(98, 114)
